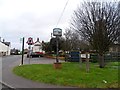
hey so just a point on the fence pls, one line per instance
(73, 56)
(110, 57)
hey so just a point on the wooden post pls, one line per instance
(80, 60)
(87, 63)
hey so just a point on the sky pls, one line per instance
(33, 18)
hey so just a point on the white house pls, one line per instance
(37, 47)
(4, 48)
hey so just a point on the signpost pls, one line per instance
(30, 42)
(58, 33)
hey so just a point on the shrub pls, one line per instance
(94, 58)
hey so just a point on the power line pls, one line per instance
(62, 13)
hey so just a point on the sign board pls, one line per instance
(88, 56)
(30, 41)
(85, 56)
(57, 32)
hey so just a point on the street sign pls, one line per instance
(57, 32)
(85, 55)
(30, 41)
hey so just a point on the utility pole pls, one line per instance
(22, 51)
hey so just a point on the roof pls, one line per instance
(37, 44)
(6, 43)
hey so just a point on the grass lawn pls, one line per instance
(71, 74)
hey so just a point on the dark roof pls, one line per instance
(6, 43)
(118, 44)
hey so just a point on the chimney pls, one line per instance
(37, 39)
(42, 41)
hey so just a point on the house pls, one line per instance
(14, 51)
(4, 48)
(115, 48)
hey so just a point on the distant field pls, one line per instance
(72, 74)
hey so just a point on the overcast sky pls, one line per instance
(33, 18)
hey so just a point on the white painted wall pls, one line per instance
(37, 48)
(4, 48)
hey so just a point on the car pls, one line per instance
(34, 54)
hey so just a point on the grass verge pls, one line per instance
(71, 74)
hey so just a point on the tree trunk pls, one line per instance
(101, 61)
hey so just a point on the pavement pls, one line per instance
(15, 81)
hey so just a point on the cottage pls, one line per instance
(115, 48)
(4, 48)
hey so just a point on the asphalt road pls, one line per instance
(4, 87)
(7, 63)
(14, 81)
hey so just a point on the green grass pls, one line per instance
(71, 74)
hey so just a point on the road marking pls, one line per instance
(8, 86)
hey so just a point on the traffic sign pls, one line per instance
(30, 41)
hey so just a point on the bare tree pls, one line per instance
(74, 41)
(119, 25)
(98, 23)
(67, 40)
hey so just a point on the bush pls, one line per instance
(94, 58)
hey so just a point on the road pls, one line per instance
(2, 86)
(5, 87)
(9, 62)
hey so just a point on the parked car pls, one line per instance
(34, 54)
(15, 52)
